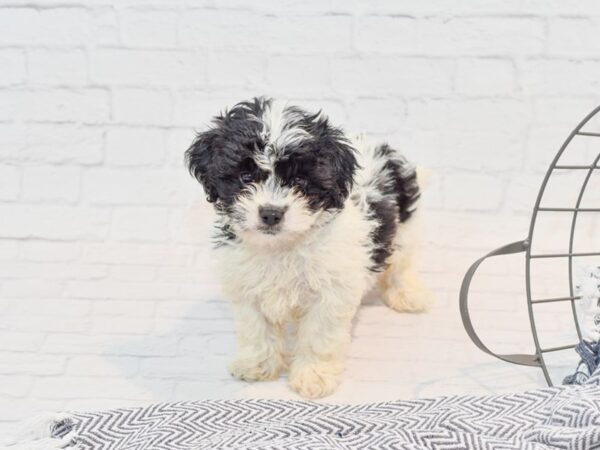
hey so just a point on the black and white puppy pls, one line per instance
(308, 222)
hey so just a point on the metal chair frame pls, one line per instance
(524, 246)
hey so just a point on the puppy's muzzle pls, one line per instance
(271, 217)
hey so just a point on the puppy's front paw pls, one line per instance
(315, 380)
(257, 369)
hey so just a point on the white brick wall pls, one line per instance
(107, 295)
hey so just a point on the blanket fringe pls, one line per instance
(40, 433)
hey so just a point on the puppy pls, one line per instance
(308, 222)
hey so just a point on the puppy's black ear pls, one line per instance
(335, 148)
(200, 158)
(344, 163)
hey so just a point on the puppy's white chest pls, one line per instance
(280, 284)
(329, 265)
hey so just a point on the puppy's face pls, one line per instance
(272, 170)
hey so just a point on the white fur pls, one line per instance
(315, 272)
(279, 130)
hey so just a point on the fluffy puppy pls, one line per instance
(308, 222)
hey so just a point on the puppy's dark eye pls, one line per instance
(246, 177)
(300, 181)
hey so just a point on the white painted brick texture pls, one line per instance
(106, 279)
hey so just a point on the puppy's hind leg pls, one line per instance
(401, 285)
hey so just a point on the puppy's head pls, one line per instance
(273, 170)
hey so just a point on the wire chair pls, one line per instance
(537, 359)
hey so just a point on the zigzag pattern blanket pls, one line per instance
(552, 418)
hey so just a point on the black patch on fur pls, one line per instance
(404, 185)
(399, 191)
(224, 235)
(218, 156)
(385, 212)
(321, 166)
(326, 162)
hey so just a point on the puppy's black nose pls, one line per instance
(271, 215)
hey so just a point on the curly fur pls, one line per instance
(347, 209)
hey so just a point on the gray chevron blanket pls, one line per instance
(552, 418)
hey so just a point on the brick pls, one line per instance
(45, 26)
(140, 224)
(197, 108)
(392, 75)
(194, 309)
(45, 143)
(489, 36)
(137, 253)
(560, 77)
(542, 143)
(485, 77)
(400, 7)
(386, 34)
(62, 67)
(148, 67)
(13, 66)
(193, 225)
(149, 28)
(10, 182)
(139, 106)
(564, 111)
(299, 75)
(224, 69)
(118, 290)
(199, 346)
(218, 390)
(177, 142)
(137, 308)
(47, 307)
(51, 184)
(124, 325)
(184, 367)
(204, 28)
(15, 409)
(56, 105)
(275, 7)
(53, 222)
(202, 289)
(319, 34)
(106, 26)
(18, 341)
(334, 109)
(99, 366)
(467, 115)
(11, 386)
(58, 26)
(374, 116)
(135, 147)
(477, 150)
(52, 271)
(522, 192)
(9, 250)
(47, 251)
(30, 363)
(72, 343)
(67, 387)
(132, 273)
(151, 187)
(35, 324)
(573, 36)
(31, 288)
(474, 192)
(292, 34)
